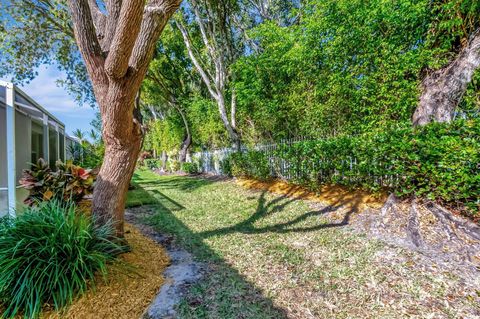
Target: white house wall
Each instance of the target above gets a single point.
(51, 130)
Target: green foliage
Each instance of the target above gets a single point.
(67, 182)
(53, 43)
(251, 163)
(50, 254)
(189, 168)
(163, 135)
(173, 165)
(437, 161)
(85, 153)
(153, 163)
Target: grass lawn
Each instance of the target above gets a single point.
(270, 256)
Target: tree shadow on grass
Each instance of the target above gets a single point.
(222, 292)
(265, 209)
(183, 183)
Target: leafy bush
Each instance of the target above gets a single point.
(69, 182)
(173, 165)
(153, 163)
(252, 164)
(190, 168)
(226, 165)
(50, 254)
(142, 157)
(437, 161)
(87, 155)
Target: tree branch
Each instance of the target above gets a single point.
(198, 66)
(85, 35)
(126, 32)
(155, 17)
(113, 10)
(99, 19)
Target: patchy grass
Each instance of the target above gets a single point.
(272, 256)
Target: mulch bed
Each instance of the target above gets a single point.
(130, 287)
(330, 194)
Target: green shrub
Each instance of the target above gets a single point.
(153, 163)
(173, 165)
(50, 254)
(68, 182)
(226, 165)
(190, 168)
(250, 164)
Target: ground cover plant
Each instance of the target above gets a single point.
(272, 256)
(51, 253)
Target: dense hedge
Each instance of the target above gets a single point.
(437, 161)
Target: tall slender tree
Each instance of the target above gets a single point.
(213, 19)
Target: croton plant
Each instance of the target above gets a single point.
(67, 182)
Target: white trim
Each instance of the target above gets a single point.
(46, 139)
(37, 106)
(11, 169)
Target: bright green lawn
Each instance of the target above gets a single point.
(270, 256)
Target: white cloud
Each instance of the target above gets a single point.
(45, 91)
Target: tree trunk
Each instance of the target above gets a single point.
(122, 135)
(112, 182)
(187, 141)
(117, 48)
(232, 132)
(182, 156)
(443, 89)
(164, 161)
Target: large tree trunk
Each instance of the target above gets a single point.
(122, 135)
(113, 180)
(117, 48)
(443, 89)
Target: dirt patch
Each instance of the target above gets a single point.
(129, 288)
(333, 195)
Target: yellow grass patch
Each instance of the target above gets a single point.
(331, 194)
(127, 292)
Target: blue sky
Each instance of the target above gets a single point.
(56, 100)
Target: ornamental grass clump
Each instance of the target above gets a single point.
(50, 254)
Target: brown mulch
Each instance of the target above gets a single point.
(130, 287)
(331, 194)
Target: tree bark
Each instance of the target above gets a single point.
(443, 89)
(164, 161)
(117, 49)
(187, 141)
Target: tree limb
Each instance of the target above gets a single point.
(155, 17)
(85, 34)
(201, 71)
(126, 32)
(99, 19)
(113, 10)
